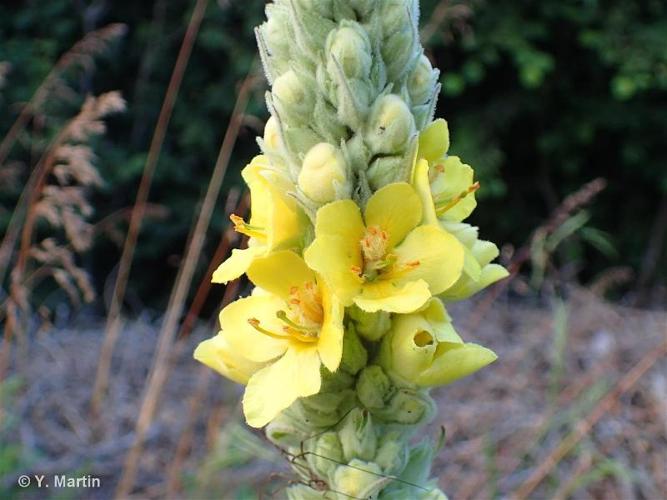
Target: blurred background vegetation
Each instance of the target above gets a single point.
(541, 98)
(561, 107)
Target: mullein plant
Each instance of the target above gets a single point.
(356, 243)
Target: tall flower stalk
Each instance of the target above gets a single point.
(356, 244)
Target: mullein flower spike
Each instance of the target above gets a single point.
(357, 241)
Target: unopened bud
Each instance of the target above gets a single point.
(272, 138)
(421, 81)
(350, 48)
(388, 169)
(327, 454)
(359, 479)
(373, 387)
(391, 126)
(408, 407)
(323, 8)
(323, 177)
(354, 353)
(357, 435)
(371, 326)
(392, 454)
(292, 97)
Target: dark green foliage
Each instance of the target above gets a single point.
(541, 97)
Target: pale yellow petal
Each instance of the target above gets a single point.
(275, 387)
(422, 184)
(279, 272)
(340, 218)
(393, 297)
(245, 339)
(216, 353)
(337, 260)
(456, 178)
(237, 264)
(431, 254)
(330, 344)
(396, 208)
(455, 361)
(434, 141)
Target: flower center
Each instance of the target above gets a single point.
(303, 318)
(241, 226)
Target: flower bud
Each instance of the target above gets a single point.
(371, 326)
(327, 454)
(272, 137)
(354, 354)
(388, 169)
(396, 15)
(407, 407)
(391, 126)
(422, 81)
(357, 435)
(293, 98)
(323, 8)
(349, 47)
(374, 387)
(303, 492)
(327, 408)
(399, 53)
(392, 454)
(323, 177)
(359, 479)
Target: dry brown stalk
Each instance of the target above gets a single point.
(114, 322)
(229, 237)
(80, 54)
(61, 205)
(160, 367)
(585, 426)
(185, 441)
(576, 200)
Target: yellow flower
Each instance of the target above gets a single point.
(288, 329)
(276, 223)
(216, 353)
(384, 260)
(423, 349)
(447, 190)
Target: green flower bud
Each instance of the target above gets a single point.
(359, 479)
(293, 98)
(422, 81)
(272, 136)
(327, 454)
(397, 14)
(388, 169)
(418, 467)
(350, 48)
(374, 388)
(303, 492)
(327, 408)
(354, 9)
(391, 126)
(323, 8)
(399, 52)
(286, 431)
(371, 326)
(357, 435)
(392, 453)
(324, 177)
(354, 353)
(407, 407)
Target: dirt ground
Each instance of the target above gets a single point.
(575, 407)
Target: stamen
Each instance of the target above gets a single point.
(441, 209)
(241, 226)
(254, 322)
(299, 332)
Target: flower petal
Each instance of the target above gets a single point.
(335, 259)
(396, 208)
(237, 264)
(434, 141)
(278, 385)
(340, 218)
(422, 184)
(392, 297)
(279, 272)
(455, 361)
(456, 178)
(438, 255)
(330, 344)
(216, 353)
(245, 339)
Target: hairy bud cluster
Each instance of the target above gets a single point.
(351, 74)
